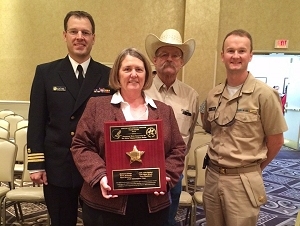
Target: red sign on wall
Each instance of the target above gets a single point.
(281, 44)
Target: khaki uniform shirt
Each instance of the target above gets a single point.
(256, 113)
(185, 103)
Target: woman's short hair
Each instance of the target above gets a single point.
(114, 81)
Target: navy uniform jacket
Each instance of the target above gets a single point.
(56, 104)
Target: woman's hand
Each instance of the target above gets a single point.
(162, 193)
(105, 188)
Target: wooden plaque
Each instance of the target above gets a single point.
(135, 157)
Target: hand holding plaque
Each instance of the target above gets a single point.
(135, 161)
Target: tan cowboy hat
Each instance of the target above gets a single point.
(169, 37)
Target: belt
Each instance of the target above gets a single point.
(234, 171)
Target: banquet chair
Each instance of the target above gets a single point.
(22, 123)
(199, 129)
(13, 119)
(6, 112)
(200, 153)
(199, 139)
(186, 199)
(4, 133)
(30, 194)
(20, 141)
(8, 153)
(298, 219)
(4, 124)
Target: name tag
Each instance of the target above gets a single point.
(248, 110)
(59, 89)
(102, 90)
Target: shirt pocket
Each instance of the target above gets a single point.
(246, 125)
(211, 117)
(184, 123)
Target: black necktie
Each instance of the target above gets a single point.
(80, 75)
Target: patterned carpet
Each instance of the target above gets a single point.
(282, 182)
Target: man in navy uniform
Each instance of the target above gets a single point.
(59, 93)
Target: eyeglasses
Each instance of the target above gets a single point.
(84, 33)
(232, 121)
(165, 56)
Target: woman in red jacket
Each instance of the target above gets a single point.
(130, 75)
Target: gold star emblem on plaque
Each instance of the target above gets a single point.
(135, 155)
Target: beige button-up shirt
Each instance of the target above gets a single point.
(184, 101)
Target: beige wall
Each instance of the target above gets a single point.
(31, 33)
(266, 20)
(202, 24)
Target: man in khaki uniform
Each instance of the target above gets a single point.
(245, 119)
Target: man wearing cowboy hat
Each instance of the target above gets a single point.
(169, 54)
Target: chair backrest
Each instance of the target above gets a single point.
(20, 140)
(184, 181)
(199, 139)
(199, 128)
(298, 219)
(4, 124)
(13, 119)
(22, 123)
(25, 174)
(8, 153)
(6, 112)
(200, 153)
(4, 133)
